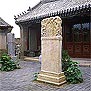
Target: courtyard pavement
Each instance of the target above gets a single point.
(23, 80)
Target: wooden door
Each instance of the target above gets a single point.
(86, 39)
(78, 40)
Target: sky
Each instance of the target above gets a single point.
(9, 8)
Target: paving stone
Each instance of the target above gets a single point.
(22, 80)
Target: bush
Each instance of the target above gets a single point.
(6, 63)
(71, 69)
(35, 76)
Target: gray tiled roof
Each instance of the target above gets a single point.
(50, 6)
(3, 23)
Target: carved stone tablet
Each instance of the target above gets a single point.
(51, 48)
(51, 27)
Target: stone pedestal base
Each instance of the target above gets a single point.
(53, 78)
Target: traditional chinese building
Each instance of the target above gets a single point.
(4, 29)
(76, 26)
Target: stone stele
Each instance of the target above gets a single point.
(51, 43)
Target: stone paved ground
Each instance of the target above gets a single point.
(22, 80)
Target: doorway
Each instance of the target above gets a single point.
(77, 37)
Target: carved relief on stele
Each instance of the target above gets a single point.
(51, 27)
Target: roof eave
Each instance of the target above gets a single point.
(55, 13)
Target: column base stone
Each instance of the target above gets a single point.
(52, 78)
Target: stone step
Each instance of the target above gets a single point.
(83, 62)
(31, 59)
